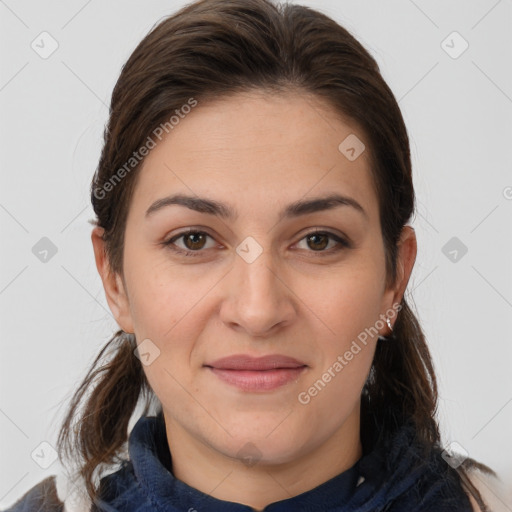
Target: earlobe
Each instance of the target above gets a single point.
(115, 293)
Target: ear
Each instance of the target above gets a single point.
(112, 283)
(407, 249)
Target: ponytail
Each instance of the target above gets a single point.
(111, 390)
(402, 382)
(402, 387)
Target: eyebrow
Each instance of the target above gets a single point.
(225, 211)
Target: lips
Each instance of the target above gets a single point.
(246, 362)
(257, 374)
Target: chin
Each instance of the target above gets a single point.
(262, 445)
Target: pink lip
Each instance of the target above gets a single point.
(257, 374)
(246, 362)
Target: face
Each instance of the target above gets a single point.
(256, 277)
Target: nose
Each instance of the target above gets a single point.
(257, 300)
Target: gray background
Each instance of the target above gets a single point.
(53, 315)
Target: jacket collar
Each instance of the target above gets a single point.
(388, 473)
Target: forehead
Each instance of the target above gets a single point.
(257, 150)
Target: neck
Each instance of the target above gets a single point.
(206, 469)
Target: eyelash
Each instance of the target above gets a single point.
(169, 243)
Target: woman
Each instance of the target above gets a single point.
(252, 201)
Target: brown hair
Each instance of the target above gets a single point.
(208, 50)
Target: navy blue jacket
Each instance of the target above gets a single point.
(392, 477)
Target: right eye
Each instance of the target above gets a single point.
(194, 241)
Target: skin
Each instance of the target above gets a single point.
(258, 154)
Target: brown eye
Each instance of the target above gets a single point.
(194, 241)
(318, 241)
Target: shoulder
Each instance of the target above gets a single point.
(491, 489)
(40, 498)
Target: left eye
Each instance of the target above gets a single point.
(320, 239)
(194, 241)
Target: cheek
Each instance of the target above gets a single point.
(163, 293)
(332, 395)
(349, 308)
(169, 306)
(348, 302)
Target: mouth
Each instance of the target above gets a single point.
(253, 374)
